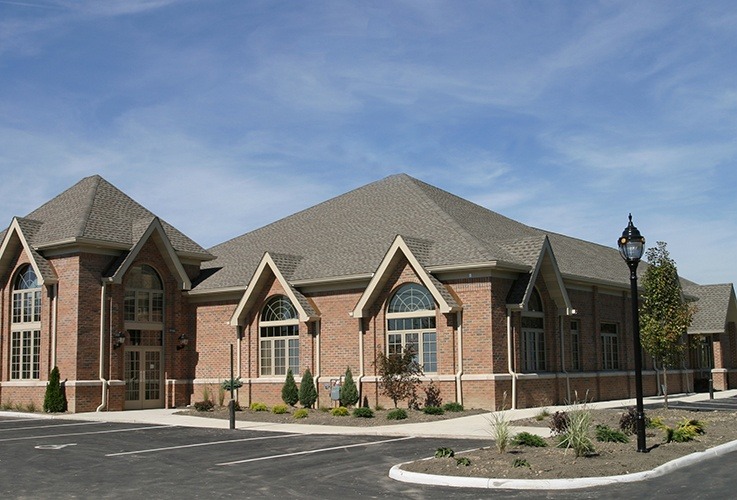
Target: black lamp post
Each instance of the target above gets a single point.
(631, 247)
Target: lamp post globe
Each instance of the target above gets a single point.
(631, 247)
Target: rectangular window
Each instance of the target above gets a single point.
(429, 352)
(575, 345)
(533, 350)
(278, 354)
(609, 346)
(25, 355)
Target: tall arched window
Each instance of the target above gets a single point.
(533, 335)
(411, 323)
(25, 334)
(144, 295)
(279, 337)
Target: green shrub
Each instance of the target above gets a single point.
(559, 423)
(527, 439)
(279, 409)
(396, 414)
(363, 412)
(301, 413)
(348, 391)
(19, 407)
(453, 407)
(255, 406)
(433, 410)
(606, 434)
(206, 393)
(520, 462)
(444, 453)
(54, 400)
(307, 391)
(235, 383)
(464, 461)
(31, 407)
(205, 405)
(685, 430)
(289, 391)
(7, 405)
(324, 409)
(432, 396)
(576, 434)
(340, 411)
(655, 423)
(221, 395)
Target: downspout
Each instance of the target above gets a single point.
(238, 342)
(317, 357)
(459, 373)
(509, 360)
(54, 307)
(563, 359)
(103, 380)
(362, 372)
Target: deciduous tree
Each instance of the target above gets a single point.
(664, 314)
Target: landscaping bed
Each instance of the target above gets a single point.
(324, 417)
(608, 459)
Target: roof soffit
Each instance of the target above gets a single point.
(154, 231)
(399, 248)
(266, 269)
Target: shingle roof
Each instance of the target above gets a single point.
(712, 307)
(349, 235)
(93, 209)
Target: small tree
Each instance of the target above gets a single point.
(400, 374)
(349, 391)
(664, 314)
(289, 392)
(54, 400)
(307, 391)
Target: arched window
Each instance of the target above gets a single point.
(533, 334)
(25, 335)
(144, 295)
(411, 323)
(279, 337)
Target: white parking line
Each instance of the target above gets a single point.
(132, 429)
(13, 420)
(48, 426)
(308, 452)
(195, 445)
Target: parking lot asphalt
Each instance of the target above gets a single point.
(130, 454)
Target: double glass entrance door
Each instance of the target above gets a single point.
(143, 378)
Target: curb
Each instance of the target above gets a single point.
(398, 474)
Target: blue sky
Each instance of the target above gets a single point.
(223, 116)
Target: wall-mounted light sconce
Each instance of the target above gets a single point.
(118, 339)
(183, 341)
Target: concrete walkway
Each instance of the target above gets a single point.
(470, 427)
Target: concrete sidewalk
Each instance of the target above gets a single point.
(474, 426)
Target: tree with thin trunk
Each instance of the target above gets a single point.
(664, 313)
(400, 374)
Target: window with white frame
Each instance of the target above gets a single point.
(25, 334)
(533, 335)
(411, 323)
(609, 346)
(144, 296)
(575, 345)
(279, 337)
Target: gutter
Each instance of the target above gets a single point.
(102, 378)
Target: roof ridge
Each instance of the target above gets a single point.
(90, 204)
(483, 250)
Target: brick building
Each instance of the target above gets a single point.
(135, 314)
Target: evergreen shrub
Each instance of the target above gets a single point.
(289, 391)
(307, 391)
(54, 400)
